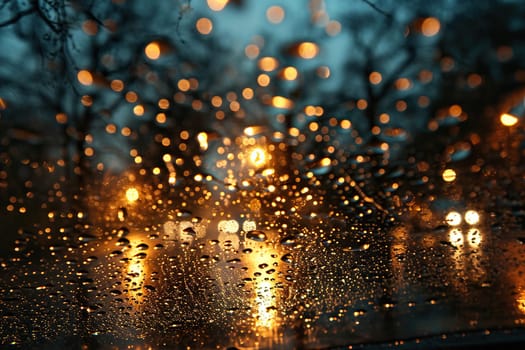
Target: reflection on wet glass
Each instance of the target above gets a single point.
(258, 174)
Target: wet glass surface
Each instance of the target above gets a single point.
(262, 174)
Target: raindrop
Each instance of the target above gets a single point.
(122, 232)
(289, 241)
(149, 287)
(460, 151)
(122, 214)
(86, 237)
(287, 258)
(322, 167)
(189, 231)
(357, 248)
(122, 242)
(184, 214)
(55, 248)
(142, 246)
(140, 255)
(395, 135)
(256, 235)
(115, 253)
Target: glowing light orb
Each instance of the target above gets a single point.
(152, 50)
(449, 175)
(453, 218)
(471, 217)
(455, 237)
(258, 157)
(508, 119)
(132, 194)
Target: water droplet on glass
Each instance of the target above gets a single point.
(86, 237)
(189, 231)
(256, 235)
(122, 242)
(287, 258)
(394, 135)
(142, 246)
(357, 248)
(289, 240)
(122, 214)
(115, 253)
(460, 151)
(122, 232)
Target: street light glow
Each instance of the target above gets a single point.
(508, 119)
(132, 195)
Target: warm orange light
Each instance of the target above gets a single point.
(472, 217)
(117, 85)
(403, 84)
(258, 157)
(263, 80)
(455, 110)
(290, 73)
(152, 50)
(183, 84)
(138, 110)
(508, 119)
(346, 124)
(89, 152)
(252, 51)
(275, 14)
(375, 78)
(323, 72)
(204, 25)
(449, 175)
(247, 93)
(307, 50)
(132, 194)
(217, 5)
(362, 104)
(333, 28)
(384, 118)
(325, 162)
(268, 64)
(61, 118)
(90, 27)
(430, 26)
(453, 218)
(282, 102)
(84, 77)
(202, 137)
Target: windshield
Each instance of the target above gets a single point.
(261, 174)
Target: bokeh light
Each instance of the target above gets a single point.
(453, 218)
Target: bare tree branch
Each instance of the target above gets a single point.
(17, 17)
(377, 8)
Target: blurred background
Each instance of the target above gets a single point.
(261, 174)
